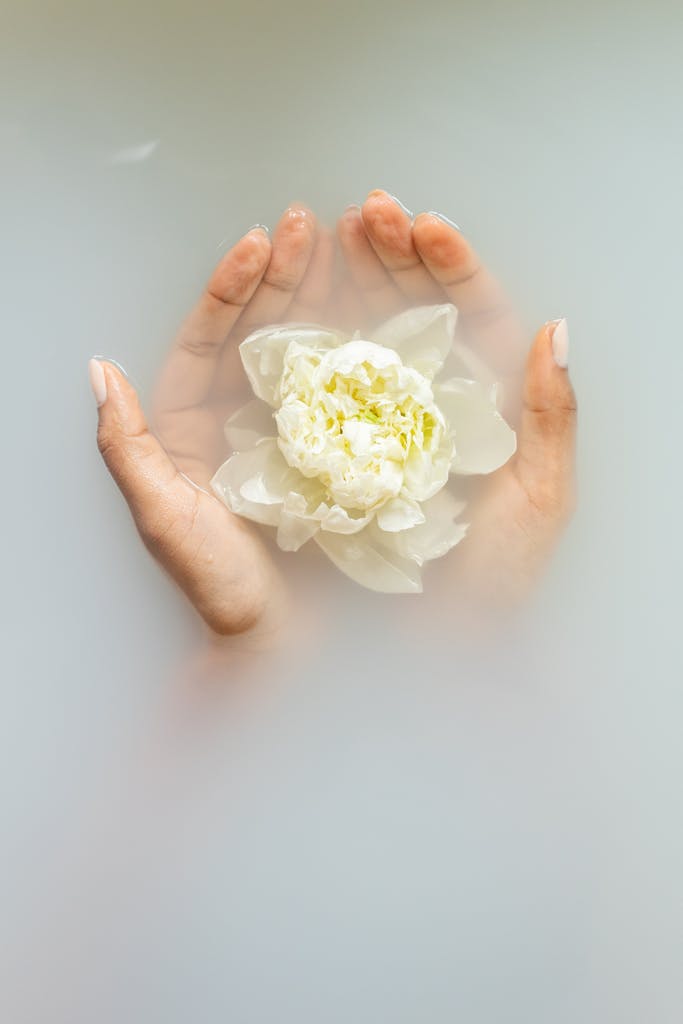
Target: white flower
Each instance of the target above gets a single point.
(351, 441)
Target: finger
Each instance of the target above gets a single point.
(389, 228)
(293, 243)
(486, 313)
(371, 278)
(294, 239)
(192, 363)
(314, 291)
(454, 264)
(545, 456)
(142, 470)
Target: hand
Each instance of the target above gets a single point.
(391, 262)
(396, 261)
(218, 559)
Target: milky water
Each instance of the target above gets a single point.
(389, 824)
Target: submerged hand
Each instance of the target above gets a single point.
(392, 261)
(396, 261)
(218, 559)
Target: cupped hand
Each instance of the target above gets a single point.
(394, 261)
(217, 558)
(391, 261)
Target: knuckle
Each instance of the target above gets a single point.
(555, 501)
(200, 346)
(284, 278)
(109, 445)
(555, 421)
(166, 524)
(153, 527)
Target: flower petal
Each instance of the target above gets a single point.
(254, 483)
(399, 514)
(437, 534)
(299, 518)
(423, 474)
(249, 425)
(422, 336)
(366, 560)
(293, 531)
(263, 352)
(483, 440)
(336, 519)
(356, 352)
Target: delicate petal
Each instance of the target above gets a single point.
(354, 353)
(340, 520)
(422, 336)
(360, 435)
(263, 353)
(293, 531)
(439, 532)
(367, 561)
(399, 514)
(424, 475)
(300, 519)
(249, 425)
(483, 440)
(254, 483)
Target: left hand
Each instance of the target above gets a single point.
(397, 261)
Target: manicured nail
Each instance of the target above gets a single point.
(402, 205)
(108, 359)
(260, 227)
(446, 220)
(560, 343)
(98, 381)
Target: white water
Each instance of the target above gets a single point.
(391, 832)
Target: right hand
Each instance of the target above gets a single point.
(218, 559)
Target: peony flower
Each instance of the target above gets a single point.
(351, 441)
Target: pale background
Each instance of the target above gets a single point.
(455, 834)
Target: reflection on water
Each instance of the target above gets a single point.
(391, 819)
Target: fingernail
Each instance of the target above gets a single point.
(402, 205)
(352, 206)
(445, 219)
(560, 343)
(108, 359)
(98, 381)
(260, 227)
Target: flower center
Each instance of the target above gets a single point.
(355, 418)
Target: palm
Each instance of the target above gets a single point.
(516, 514)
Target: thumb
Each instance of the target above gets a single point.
(139, 465)
(547, 435)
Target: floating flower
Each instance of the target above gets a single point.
(351, 441)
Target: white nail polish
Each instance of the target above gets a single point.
(98, 381)
(445, 219)
(560, 343)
